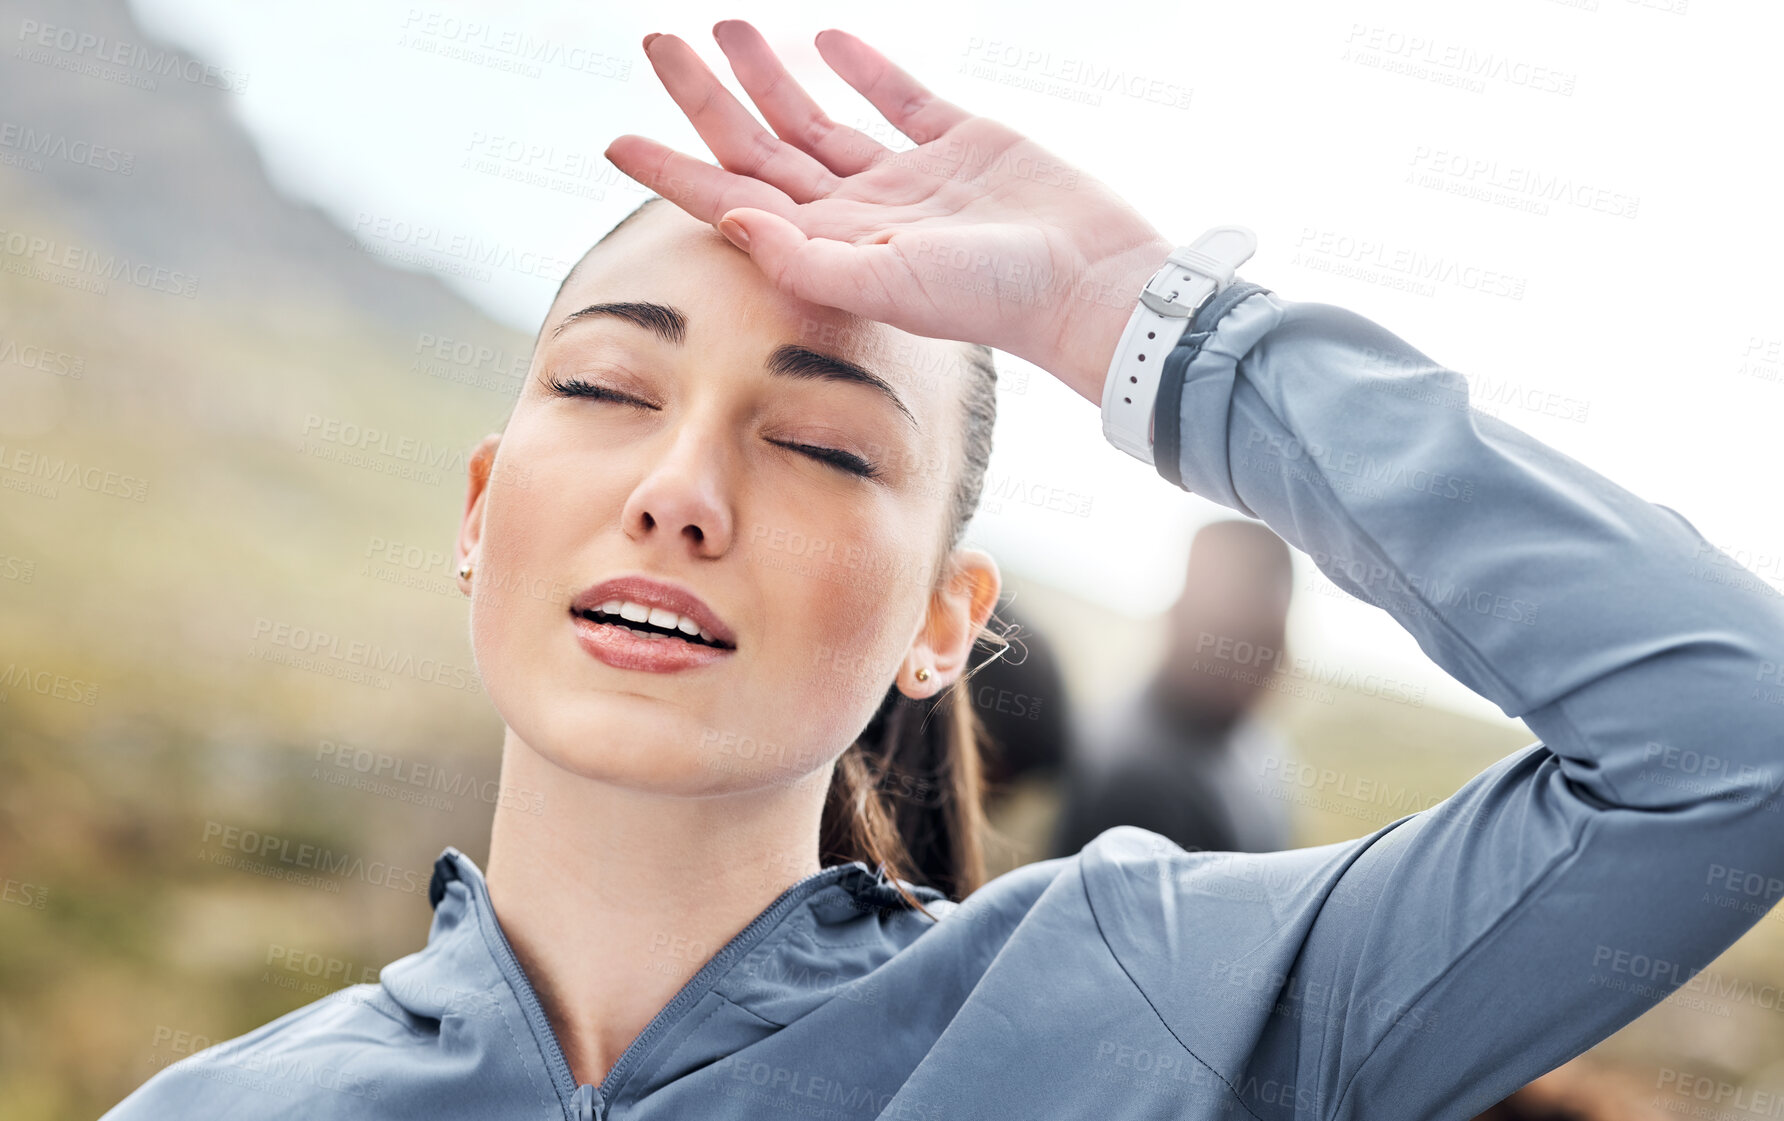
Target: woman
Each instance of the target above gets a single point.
(773, 452)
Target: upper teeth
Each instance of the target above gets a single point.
(656, 616)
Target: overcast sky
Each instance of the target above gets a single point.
(1611, 162)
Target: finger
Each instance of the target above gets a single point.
(699, 188)
(900, 98)
(855, 278)
(735, 137)
(787, 108)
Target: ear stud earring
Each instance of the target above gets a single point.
(923, 673)
(464, 571)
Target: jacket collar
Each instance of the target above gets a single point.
(468, 976)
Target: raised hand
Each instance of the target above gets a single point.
(976, 234)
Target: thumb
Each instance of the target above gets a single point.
(809, 268)
(740, 223)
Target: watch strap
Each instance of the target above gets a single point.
(1188, 278)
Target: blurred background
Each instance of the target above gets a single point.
(267, 272)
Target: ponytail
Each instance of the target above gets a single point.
(908, 795)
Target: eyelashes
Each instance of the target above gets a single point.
(853, 464)
(576, 387)
(843, 461)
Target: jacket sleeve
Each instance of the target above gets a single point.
(1576, 883)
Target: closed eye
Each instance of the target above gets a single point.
(853, 464)
(576, 387)
(845, 461)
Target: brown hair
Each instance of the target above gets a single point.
(906, 798)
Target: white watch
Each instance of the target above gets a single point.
(1190, 276)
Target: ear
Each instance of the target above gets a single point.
(470, 527)
(957, 614)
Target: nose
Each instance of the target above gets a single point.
(683, 495)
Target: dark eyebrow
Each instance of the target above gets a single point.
(793, 361)
(667, 323)
(788, 360)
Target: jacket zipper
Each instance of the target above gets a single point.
(589, 1101)
(587, 1107)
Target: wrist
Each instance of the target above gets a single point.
(1098, 314)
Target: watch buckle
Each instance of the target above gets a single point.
(1217, 254)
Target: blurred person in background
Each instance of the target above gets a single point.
(1184, 755)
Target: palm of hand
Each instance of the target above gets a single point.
(976, 234)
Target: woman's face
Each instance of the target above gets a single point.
(728, 468)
